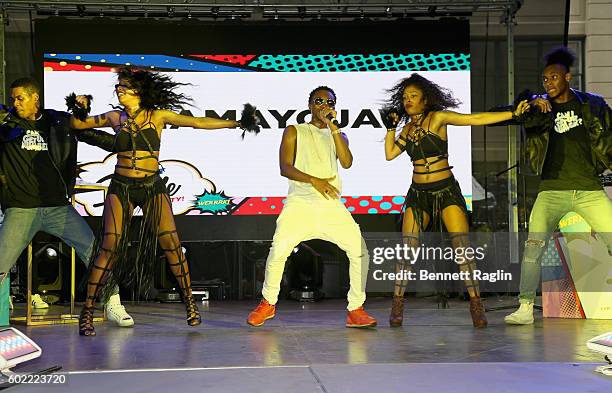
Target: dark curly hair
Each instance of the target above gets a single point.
(29, 84)
(438, 98)
(326, 88)
(156, 91)
(562, 55)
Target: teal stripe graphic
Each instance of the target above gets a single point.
(353, 63)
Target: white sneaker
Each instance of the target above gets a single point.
(116, 312)
(522, 316)
(38, 303)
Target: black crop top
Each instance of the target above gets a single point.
(430, 145)
(425, 145)
(125, 140)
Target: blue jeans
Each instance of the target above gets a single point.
(20, 226)
(550, 206)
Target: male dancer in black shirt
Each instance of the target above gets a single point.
(569, 147)
(37, 176)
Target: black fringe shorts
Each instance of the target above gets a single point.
(135, 256)
(432, 198)
(137, 190)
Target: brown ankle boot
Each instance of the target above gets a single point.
(479, 320)
(397, 311)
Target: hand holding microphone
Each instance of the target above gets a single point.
(330, 116)
(333, 120)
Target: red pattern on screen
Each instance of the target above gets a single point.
(232, 59)
(63, 66)
(274, 205)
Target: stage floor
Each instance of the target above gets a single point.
(306, 348)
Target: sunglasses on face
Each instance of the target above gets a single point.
(321, 101)
(124, 87)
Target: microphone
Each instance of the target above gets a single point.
(333, 120)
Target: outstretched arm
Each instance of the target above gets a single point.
(102, 120)
(207, 123)
(101, 139)
(478, 119)
(79, 107)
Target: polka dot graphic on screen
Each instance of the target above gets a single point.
(355, 204)
(106, 61)
(355, 63)
(234, 59)
(260, 205)
(398, 200)
(374, 204)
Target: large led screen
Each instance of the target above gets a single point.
(216, 172)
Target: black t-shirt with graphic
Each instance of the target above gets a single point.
(32, 178)
(568, 164)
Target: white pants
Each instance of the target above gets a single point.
(328, 220)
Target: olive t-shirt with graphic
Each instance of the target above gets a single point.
(568, 164)
(32, 178)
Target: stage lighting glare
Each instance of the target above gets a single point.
(47, 251)
(51, 252)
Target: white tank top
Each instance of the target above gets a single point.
(315, 155)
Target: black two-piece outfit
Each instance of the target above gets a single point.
(129, 269)
(431, 198)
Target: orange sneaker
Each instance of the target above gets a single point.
(262, 312)
(358, 318)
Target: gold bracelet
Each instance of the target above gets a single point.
(391, 129)
(336, 132)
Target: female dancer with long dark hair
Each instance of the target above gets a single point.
(434, 200)
(148, 102)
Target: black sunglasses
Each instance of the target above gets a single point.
(321, 101)
(126, 87)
